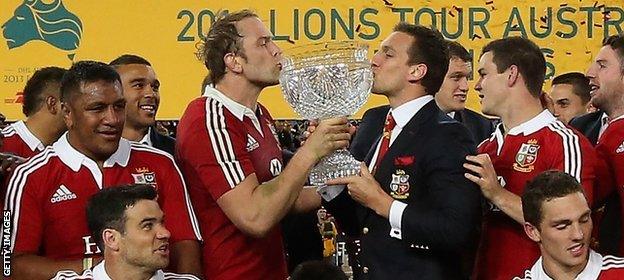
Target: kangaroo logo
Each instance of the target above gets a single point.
(48, 22)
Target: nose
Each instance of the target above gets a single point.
(275, 50)
(113, 116)
(477, 86)
(463, 84)
(591, 72)
(577, 232)
(375, 60)
(163, 232)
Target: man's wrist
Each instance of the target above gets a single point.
(383, 205)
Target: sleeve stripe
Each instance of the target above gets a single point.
(16, 186)
(72, 275)
(222, 144)
(571, 149)
(189, 206)
(8, 131)
(175, 276)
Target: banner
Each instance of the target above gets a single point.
(39, 33)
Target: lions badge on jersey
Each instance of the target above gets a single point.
(144, 176)
(399, 187)
(526, 156)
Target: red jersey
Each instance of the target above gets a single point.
(540, 144)
(610, 148)
(598, 268)
(18, 140)
(47, 197)
(219, 143)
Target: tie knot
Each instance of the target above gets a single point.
(390, 123)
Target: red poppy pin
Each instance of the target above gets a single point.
(404, 161)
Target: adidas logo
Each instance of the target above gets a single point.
(62, 194)
(252, 144)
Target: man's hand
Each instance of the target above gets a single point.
(8, 162)
(314, 123)
(486, 175)
(365, 190)
(330, 135)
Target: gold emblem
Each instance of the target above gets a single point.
(399, 187)
(526, 156)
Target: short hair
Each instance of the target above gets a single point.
(429, 48)
(106, 209)
(523, 53)
(616, 42)
(544, 187)
(84, 72)
(456, 50)
(37, 85)
(222, 38)
(579, 83)
(317, 270)
(129, 59)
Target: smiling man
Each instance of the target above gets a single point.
(570, 95)
(141, 89)
(47, 195)
(129, 225)
(557, 217)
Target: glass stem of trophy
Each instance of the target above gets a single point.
(326, 80)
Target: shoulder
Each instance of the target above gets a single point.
(612, 263)
(527, 276)
(8, 131)
(376, 111)
(176, 276)
(146, 151)
(72, 275)
(583, 120)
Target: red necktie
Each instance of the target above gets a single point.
(385, 139)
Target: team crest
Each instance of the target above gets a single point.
(399, 187)
(526, 156)
(144, 176)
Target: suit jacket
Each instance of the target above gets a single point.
(588, 124)
(480, 127)
(162, 142)
(422, 168)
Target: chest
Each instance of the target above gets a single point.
(263, 149)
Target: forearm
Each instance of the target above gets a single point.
(308, 200)
(33, 267)
(186, 257)
(507, 202)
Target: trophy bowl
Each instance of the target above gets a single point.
(325, 80)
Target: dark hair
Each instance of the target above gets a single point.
(523, 53)
(106, 209)
(580, 84)
(129, 59)
(429, 48)
(317, 270)
(222, 38)
(616, 42)
(545, 187)
(40, 82)
(456, 50)
(86, 71)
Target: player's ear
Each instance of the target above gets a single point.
(532, 232)
(111, 239)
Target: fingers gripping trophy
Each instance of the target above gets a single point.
(325, 80)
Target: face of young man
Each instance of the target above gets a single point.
(567, 105)
(606, 79)
(145, 242)
(390, 64)
(141, 91)
(261, 64)
(564, 232)
(454, 89)
(491, 86)
(95, 119)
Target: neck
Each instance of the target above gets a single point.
(401, 98)
(615, 112)
(239, 90)
(556, 271)
(118, 269)
(520, 111)
(75, 143)
(42, 130)
(134, 133)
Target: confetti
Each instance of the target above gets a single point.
(357, 28)
(489, 2)
(290, 40)
(475, 36)
(563, 4)
(387, 3)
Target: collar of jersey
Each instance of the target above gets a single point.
(591, 270)
(31, 140)
(99, 273)
(406, 111)
(74, 159)
(237, 109)
(538, 122)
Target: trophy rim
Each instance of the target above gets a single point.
(319, 47)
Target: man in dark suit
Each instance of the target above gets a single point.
(141, 89)
(417, 211)
(590, 124)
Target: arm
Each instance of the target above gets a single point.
(186, 257)
(32, 267)
(308, 200)
(266, 204)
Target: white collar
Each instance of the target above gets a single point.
(74, 159)
(31, 140)
(538, 122)
(146, 139)
(591, 270)
(404, 113)
(239, 110)
(451, 114)
(99, 273)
